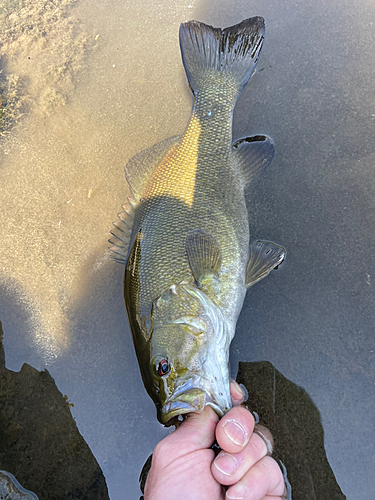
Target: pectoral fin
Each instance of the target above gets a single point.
(204, 256)
(264, 256)
(253, 155)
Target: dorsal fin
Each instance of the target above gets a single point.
(138, 173)
(122, 231)
(253, 154)
(139, 169)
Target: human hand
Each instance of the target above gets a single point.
(184, 466)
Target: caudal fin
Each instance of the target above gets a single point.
(234, 50)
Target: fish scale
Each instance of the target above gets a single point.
(176, 174)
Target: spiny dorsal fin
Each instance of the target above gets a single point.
(138, 173)
(253, 155)
(122, 231)
(139, 169)
(264, 257)
(204, 255)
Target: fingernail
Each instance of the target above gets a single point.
(245, 393)
(236, 492)
(235, 432)
(238, 390)
(226, 464)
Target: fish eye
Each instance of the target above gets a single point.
(162, 367)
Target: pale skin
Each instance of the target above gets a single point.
(184, 466)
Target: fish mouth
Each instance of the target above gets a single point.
(186, 402)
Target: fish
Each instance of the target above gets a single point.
(183, 234)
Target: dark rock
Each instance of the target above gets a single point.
(39, 440)
(294, 420)
(2, 353)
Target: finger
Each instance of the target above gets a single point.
(198, 429)
(263, 479)
(196, 432)
(236, 393)
(266, 435)
(234, 430)
(230, 468)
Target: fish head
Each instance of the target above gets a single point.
(189, 359)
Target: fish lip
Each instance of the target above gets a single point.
(178, 403)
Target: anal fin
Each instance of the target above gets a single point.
(264, 257)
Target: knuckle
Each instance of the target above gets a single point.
(160, 454)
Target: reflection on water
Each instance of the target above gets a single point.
(61, 184)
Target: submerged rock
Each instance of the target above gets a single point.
(39, 440)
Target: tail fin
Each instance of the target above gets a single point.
(233, 50)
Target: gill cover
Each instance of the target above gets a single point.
(196, 345)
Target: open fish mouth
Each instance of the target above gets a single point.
(186, 402)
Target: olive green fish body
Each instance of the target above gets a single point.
(164, 222)
(184, 237)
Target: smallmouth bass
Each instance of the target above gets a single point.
(184, 234)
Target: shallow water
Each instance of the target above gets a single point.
(62, 183)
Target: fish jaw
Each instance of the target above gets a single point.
(188, 399)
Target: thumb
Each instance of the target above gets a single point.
(196, 432)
